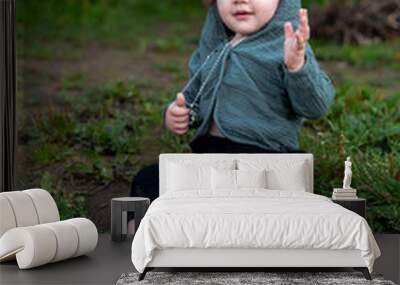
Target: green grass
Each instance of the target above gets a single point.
(122, 23)
(97, 135)
(378, 54)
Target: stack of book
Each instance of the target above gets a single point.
(343, 194)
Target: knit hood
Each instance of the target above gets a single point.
(214, 32)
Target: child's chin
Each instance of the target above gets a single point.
(246, 32)
(246, 29)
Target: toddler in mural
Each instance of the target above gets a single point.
(253, 80)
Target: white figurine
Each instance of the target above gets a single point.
(347, 174)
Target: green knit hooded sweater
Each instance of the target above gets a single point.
(253, 98)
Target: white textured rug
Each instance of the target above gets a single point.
(232, 278)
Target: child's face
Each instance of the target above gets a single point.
(246, 16)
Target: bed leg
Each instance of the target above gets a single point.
(143, 274)
(364, 271)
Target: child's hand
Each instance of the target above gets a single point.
(295, 42)
(177, 116)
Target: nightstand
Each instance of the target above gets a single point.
(357, 205)
(120, 209)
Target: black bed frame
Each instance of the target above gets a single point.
(364, 270)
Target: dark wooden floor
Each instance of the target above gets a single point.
(110, 260)
(102, 266)
(389, 262)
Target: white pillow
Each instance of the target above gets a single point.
(188, 175)
(251, 178)
(223, 179)
(289, 175)
(182, 177)
(228, 179)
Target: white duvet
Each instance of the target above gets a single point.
(252, 218)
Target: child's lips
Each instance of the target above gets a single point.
(242, 15)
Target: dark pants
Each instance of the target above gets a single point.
(146, 182)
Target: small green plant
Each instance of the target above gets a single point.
(70, 204)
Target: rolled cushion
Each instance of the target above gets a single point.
(40, 244)
(26, 208)
(87, 234)
(67, 240)
(23, 208)
(45, 205)
(33, 246)
(7, 218)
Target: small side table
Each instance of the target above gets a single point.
(119, 214)
(357, 205)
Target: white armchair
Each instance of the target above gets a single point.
(31, 231)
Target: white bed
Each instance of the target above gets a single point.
(250, 226)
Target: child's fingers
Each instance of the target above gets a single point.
(304, 26)
(181, 132)
(180, 120)
(300, 41)
(180, 99)
(179, 111)
(181, 126)
(288, 30)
